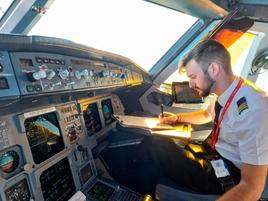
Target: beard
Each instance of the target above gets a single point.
(210, 83)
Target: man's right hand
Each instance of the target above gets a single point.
(169, 118)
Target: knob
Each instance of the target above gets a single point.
(70, 68)
(85, 73)
(101, 74)
(122, 76)
(27, 167)
(111, 73)
(71, 71)
(50, 74)
(91, 73)
(1, 68)
(42, 74)
(35, 76)
(63, 73)
(77, 75)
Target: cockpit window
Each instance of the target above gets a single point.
(4, 6)
(239, 44)
(139, 30)
(239, 50)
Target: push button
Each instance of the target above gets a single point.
(30, 88)
(38, 87)
(39, 60)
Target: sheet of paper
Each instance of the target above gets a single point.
(173, 133)
(178, 131)
(142, 122)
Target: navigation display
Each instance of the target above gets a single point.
(57, 182)
(92, 119)
(107, 110)
(44, 136)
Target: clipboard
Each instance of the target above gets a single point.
(153, 124)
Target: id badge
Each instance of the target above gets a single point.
(219, 168)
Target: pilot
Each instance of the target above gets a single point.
(236, 164)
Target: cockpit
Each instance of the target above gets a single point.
(82, 84)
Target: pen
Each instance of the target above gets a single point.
(162, 110)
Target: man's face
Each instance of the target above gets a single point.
(198, 80)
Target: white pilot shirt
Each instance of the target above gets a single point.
(243, 136)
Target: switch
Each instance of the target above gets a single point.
(1, 68)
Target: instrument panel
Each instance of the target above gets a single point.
(52, 145)
(58, 106)
(39, 73)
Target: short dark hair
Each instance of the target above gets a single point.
(209, 51)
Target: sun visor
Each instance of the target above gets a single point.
(232, 31)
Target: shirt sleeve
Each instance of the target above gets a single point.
(253, 140)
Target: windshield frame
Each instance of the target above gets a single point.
(143, 55)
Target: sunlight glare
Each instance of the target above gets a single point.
(136, 29)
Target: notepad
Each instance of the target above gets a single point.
(142, 122)
(153, 124)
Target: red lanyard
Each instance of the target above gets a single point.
(215, 131)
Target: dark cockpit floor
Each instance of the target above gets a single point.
(132, 167)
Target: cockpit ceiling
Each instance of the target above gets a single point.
(216, 9)
(198, 8)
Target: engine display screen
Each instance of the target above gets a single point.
(92, 118)
(18, 192)
(100, 192)
(85, 174)
(107, 110)
(44, 136)
(57, 182)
